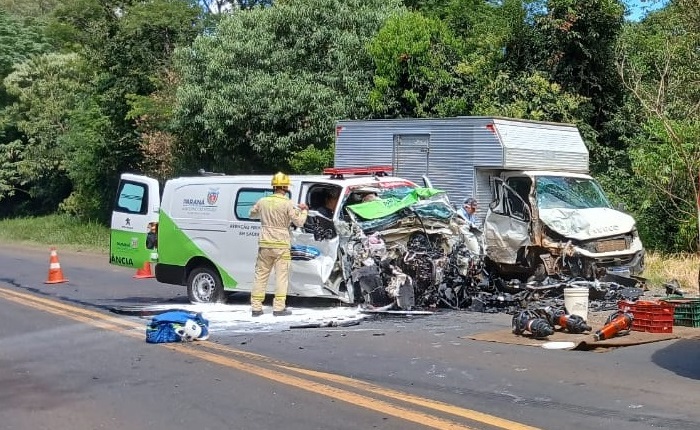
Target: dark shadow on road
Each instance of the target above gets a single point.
(140, 300)
(681, 357)
(243, 298)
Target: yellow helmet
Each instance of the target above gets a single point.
(281, 180)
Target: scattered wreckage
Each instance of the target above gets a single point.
(413, 252)
(416, 253)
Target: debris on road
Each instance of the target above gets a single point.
(327, 324)
(177, 326)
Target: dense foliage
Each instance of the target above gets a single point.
(92, 88)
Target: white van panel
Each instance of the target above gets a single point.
(196, 202)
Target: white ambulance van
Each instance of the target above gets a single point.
(200, 234)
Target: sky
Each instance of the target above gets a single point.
(639, 8)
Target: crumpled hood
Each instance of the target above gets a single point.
(583, 224)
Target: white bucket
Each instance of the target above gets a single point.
(576, 301)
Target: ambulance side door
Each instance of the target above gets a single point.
(313, 256)
(244, 233)
(137, 204)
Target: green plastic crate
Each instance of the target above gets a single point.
(686, 312)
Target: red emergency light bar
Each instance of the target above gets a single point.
(339, 172)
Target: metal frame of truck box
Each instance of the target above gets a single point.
(460, 154)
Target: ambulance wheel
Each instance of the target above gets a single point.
(204, 286)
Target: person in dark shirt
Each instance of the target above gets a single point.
(330, 202)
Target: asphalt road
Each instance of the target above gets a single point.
(67, 362)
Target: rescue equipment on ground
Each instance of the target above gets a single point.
(530, 321)
(55, 273)
(618, 323)
(177, 326)
(190, 331)
(572, 323)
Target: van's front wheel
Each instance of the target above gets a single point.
(204, 286)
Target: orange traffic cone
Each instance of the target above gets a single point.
(55, 272)
(144, 272)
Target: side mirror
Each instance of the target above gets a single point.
(621, 207)
(427, 182)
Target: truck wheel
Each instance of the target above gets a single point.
(204, 286)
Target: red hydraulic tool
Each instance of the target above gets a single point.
(617, 323)
(572, 323)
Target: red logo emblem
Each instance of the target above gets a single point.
(212, 196)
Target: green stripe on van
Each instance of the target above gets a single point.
(176, 248)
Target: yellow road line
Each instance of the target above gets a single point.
(118, 324)
(72, 309)
(62, 312)
(380, 406)
(409, 398)
(397, 395)
(273, 375)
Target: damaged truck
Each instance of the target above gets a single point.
(545, 215)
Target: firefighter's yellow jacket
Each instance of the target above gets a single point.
(276, 213)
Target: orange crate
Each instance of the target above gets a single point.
(651, 317)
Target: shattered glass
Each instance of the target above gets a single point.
(565, 192)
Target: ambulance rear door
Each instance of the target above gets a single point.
(136, 206)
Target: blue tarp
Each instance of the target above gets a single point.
(163, 327)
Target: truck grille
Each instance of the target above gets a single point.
(611, 245)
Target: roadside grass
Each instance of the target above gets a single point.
(662, 268)
(62, 231)
(67, 232)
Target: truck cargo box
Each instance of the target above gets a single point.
(460, 154)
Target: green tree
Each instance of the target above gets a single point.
(529, 97)
(89, 161)
(311, 160)
(46, 90)
(18, 42)
(416, 62)
(158, 27)
(659, 63)
(123, 123)
(572, 43)
(271, 81)
(36, 10)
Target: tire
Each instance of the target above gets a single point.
(204, 286)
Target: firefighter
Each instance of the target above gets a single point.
(276, 213)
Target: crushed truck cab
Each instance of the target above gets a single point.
(544, 222)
